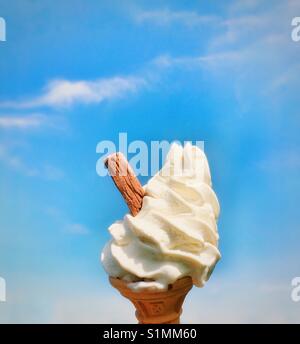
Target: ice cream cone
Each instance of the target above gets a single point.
(156, 307)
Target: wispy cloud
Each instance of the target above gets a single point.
(209, 60)
(250, 29)
(245, 5)
(63, 221)
(76, 228)
(240, 30)
(167, 16)
(26, 121)
(51, 172)
(15, 162)
(286, 78)
(169, 61)
(66, 93)
(256, 50)
(281, 160)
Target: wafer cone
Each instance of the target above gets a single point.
(156, 307)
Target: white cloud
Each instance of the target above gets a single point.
(63, 221)
(287, 78)
(167, 16)
(253, 48)
(281, 160)
(51, 172)
(204, 61)
(76, 228)
(245, 5)
(23, 121)
(65, 93)
(16, 163)
(240, 29)
(252, 29)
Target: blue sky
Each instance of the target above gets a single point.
(76, 73)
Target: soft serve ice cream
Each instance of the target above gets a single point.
(175, 233)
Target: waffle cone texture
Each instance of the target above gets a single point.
(156, 307)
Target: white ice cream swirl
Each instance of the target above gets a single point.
(175, 233)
